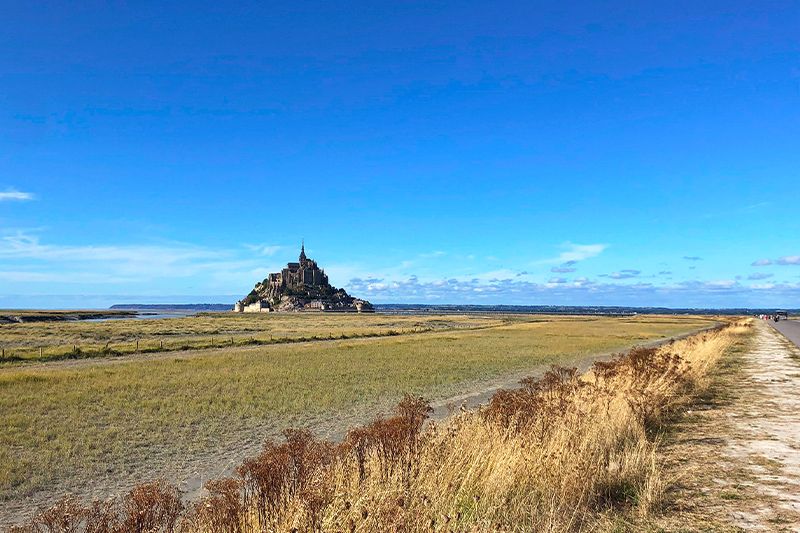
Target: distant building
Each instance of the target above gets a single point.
(303, 273)
(259, 306)
(301, 286)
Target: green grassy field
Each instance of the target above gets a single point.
(69, 421)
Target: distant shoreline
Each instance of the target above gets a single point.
(171, 307)
(491, 309)
(19, 316)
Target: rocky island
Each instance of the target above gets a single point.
(301, 286)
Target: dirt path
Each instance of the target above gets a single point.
(737, 458)
(769, 428)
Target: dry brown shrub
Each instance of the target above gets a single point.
(287, 475)
(103, 516)
(393, 440)
(66, 516)
(221, 511)
(151, 507)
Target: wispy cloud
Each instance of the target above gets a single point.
(761, 262)
(622, 274)
(27, 260)
(263, 249)
(12, 195)
(435, 253)
(759, 276)
(692, 258)
(557, 280)
(575, 252)
(565, 268)
(625, 274)
(757, 206)
(789, 260)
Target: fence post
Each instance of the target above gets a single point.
(212, 341)
(161, 347)
(41, 351)
(137, 345)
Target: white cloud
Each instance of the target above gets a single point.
(263, 249)
(579, 252)
(789, 260)
(759, 276)
(574, 253)
(26, 260)
(763, 286)
(623, 274)
(620, 275)
(761, 262)
(582, 291)
(721, 284)
(28, 247)
(435, 253)
(16, 195)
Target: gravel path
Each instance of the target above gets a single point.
(767, 433)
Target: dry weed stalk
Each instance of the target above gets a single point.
(557, 454)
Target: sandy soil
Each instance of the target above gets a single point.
(736, 460)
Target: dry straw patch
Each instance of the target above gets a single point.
(562, 453)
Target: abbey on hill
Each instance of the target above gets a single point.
(301, 286)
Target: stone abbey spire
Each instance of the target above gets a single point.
(302, 250)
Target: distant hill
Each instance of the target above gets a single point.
(176, 307)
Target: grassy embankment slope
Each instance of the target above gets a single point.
(69, 421)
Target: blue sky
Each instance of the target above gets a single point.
(616, 153)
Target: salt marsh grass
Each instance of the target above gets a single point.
(61, 340)
(562, 453)
(65, 423)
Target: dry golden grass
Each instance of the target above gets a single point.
(60, 340)
(70, 421)
(563, 453)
